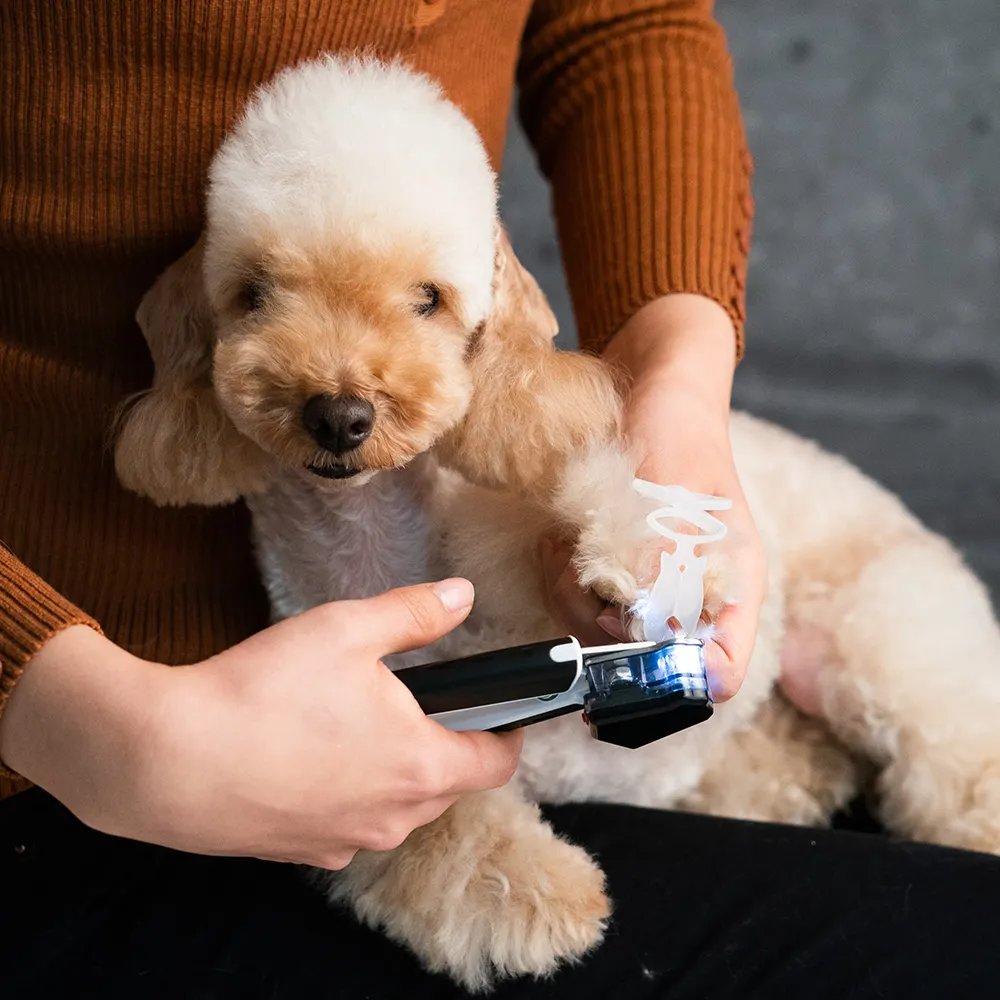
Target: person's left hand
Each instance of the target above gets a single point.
(679, 354)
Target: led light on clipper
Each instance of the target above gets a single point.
(676, 665)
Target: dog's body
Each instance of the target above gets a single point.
(854, 579)
(493, 439)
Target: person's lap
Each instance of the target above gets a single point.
(703, 908)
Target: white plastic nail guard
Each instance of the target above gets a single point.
(679, 589)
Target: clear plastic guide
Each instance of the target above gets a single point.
(679, 590)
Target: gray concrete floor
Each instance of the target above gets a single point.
(874, 284)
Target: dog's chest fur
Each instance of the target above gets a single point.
(319, 542)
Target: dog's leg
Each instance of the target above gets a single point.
(783, 769)
(487, 890)
(916, 686)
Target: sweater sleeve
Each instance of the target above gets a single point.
(30, 613)
(632, 111)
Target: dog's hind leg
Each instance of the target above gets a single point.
(784, 768)
(487, 890)
(916, 687)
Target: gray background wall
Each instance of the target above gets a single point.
(874, 284)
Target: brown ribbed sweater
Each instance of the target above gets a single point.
(110, 114)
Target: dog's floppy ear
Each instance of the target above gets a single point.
(532, 405)
(175, 445)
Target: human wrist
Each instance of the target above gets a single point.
(679, 354)
(683, 345)
(79, 723)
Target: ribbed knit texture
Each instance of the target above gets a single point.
(111, 111)
(632, 110)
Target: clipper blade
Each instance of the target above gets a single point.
(640, 696)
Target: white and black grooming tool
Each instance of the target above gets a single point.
(631, 694)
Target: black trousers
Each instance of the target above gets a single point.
(704, 908)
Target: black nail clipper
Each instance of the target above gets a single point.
(631, 694)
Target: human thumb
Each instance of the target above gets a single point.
(410, 617)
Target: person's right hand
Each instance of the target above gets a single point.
(298, 744)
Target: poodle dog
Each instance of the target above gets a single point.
(353, 347)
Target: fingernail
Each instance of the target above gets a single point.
(455, 595)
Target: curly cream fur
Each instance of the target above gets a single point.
(487, 890)
(175, 444)
(486, 438)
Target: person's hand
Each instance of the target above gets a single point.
(298, 744)
(679, 354)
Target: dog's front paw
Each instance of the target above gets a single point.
(486, 891)
(617, 553)
(598, 509)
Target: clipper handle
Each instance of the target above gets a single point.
(529, 671)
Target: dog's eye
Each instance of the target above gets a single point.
(254, 295)
(431, 300)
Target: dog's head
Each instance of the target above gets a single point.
(329, 320)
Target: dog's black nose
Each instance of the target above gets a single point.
(338, 423)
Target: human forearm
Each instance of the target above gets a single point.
(80, 721)
(631, 107)
(31, 612)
